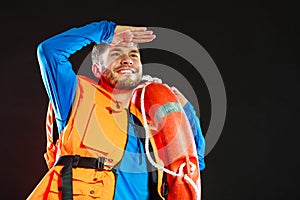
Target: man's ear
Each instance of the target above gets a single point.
(96, 70)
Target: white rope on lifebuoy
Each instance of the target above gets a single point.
(147, 136)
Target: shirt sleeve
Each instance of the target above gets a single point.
(197, 132)
(57, 73)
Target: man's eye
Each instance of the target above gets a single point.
(115, 54)
(134, 56)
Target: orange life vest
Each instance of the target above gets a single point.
(97, 127)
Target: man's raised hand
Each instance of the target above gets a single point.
(130, 35)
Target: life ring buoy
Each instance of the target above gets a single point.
(173, 138)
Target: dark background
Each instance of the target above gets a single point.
(255, 45)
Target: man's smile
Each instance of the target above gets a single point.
(125, 70)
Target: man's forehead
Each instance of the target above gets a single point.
(123, 49)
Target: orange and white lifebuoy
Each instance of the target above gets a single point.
(173, 138)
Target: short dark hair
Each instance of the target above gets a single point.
(97, 50)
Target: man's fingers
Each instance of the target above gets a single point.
(143, 36)
(137, 33)
(142, 40)
(121, 28)
(133, 35)
(136, 29)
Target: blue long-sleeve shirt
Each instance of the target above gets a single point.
(61, 81)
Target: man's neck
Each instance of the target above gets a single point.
(124, 97)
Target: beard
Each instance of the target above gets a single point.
(125, 82)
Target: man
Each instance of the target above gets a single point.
(100, 152)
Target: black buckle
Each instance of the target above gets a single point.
(100, 163)
(75, 161)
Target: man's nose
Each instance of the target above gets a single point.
(126, 60)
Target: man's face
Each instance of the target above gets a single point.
(121, 67)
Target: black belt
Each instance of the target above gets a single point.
(70, 162)
(83, 162)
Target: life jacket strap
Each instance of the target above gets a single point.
(70, 162)
(83, 162)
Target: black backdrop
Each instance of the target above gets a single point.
(255, 46)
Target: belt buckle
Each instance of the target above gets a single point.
(75, 161)
(100, 163)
